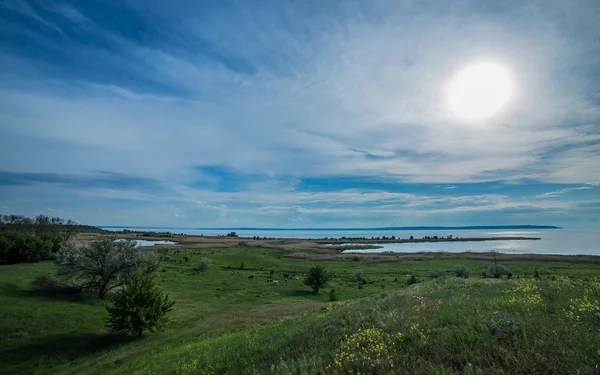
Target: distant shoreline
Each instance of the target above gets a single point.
(421, 240)
(472, 227)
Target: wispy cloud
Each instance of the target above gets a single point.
(557, 193)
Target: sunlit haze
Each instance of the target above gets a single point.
(480, 91)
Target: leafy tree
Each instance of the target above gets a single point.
(140, 306)
(18, 247)
(317, 278)
(105, 264)
(358, 274)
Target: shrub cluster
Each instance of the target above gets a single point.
(24, 239)
(17, 247)
(462, 271)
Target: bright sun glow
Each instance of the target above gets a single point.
(479, 91)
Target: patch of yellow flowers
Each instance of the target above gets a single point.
(526, 295)
(372, 350)
(363, 352)
(583, 308)
(422, 303)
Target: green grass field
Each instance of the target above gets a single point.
(225, 323)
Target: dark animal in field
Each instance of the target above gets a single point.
(251, 277)
(360, 287)
(286, 275)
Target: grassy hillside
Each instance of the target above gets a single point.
(225, 323)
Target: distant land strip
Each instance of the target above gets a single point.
(488, 227)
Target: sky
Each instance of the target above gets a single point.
(297, 113)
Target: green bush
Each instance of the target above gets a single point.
(332, 295)
(412, 280)
(17, 247)
(462, 271)
(498, 270)
(437, 274)
(358, 274)
(140, 306)
(317, 278)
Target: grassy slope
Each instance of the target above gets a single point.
(225, 323)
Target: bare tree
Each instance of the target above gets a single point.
(105, 264)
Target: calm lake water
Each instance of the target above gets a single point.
(553, 241)
(145, 243)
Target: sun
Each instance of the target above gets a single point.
(479, 91)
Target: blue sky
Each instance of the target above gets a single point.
(297, 113)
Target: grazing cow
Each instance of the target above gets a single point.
(286, 275)
(269, 280)
(274, 282)
(297, 278)
(360, 287)
(251, 277)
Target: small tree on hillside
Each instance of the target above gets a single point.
(317, 278)
(104, 265)
(140, 306)
(203, 265)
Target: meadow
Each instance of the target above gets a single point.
(227, 323)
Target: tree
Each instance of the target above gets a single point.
(317, 278)
(105, 264)
(140, 306)
(204, 264)
(18, 247)
(358, 274)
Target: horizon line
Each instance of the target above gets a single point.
(420, 227)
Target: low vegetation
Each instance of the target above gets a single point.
(16, 247)
(233, 321)
(462, 271)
